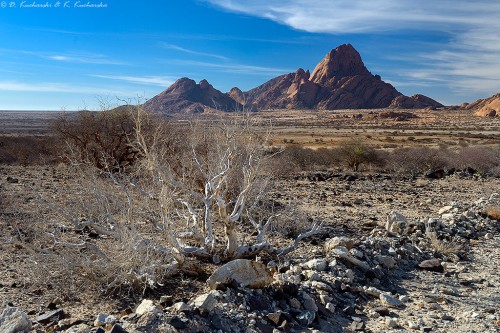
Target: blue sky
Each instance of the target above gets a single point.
(81, 54)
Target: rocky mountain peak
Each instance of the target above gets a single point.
(204, 84)
(339, 62)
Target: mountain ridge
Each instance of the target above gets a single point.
(339, 81)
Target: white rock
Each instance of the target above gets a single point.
(321, 286)
(147, 306)
(391, 323)
(316, 264)
(395, 222)
(448, 216)
(390, 301)
(330, 307)
(104, 319)
(373, 291)
(445, 209)
(489, 235)
(404, 298)
(311, 275)
(413, 326)
(325, 299)
(13, 320)
(246, 273)
(181, 306)
(338, 241)
(343, 253)
(207, 301)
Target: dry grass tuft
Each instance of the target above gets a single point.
(442, 246)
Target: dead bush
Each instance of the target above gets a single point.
(102, 138)
(481, 159)
(412, 162)
(200, 196)
(29, 150)
(305, 159)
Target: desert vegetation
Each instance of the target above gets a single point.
(123, 204)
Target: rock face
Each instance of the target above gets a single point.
(186, 96)
(488, 107)
(339, 81)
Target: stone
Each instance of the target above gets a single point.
(81, 328)
(206, 301)
(117, 329)
(178, 323)
(13, 320)
(386, 261)
(396, 222)
(306, 318)
(391, 323)
(50, 317)
(373, 291)
(258, 303)
(338, 241)
(381, 310)
(343, 253)
(181, 307)
(330, 307)
(433, 265)
(404, 298)
(317, 285)
(489, 235)
(445, 209)
(413, 325)
(147, 306)
(277, 318)
(390, 301)
(294, 303)
(316, 264)
(357, 326)
(309, 302)
(246, 273)
(104, 319)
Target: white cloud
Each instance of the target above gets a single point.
(161, 81)
(182, 49)
(51, 87)
(467, 61)
(237, 68)
(84, 58)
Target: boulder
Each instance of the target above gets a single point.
(246, 273)
(13, 320)
(147, 306)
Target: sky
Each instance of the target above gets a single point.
(72, 55)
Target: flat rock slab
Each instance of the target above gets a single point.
(246, 273)
(433, 265)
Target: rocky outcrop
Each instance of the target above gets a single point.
(488, 107)
(339, 81)
(414, 102)
(186, 96)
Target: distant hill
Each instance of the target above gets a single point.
(339, 81)
(186, 96)
(488, 107)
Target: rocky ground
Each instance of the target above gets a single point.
(395, 256)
